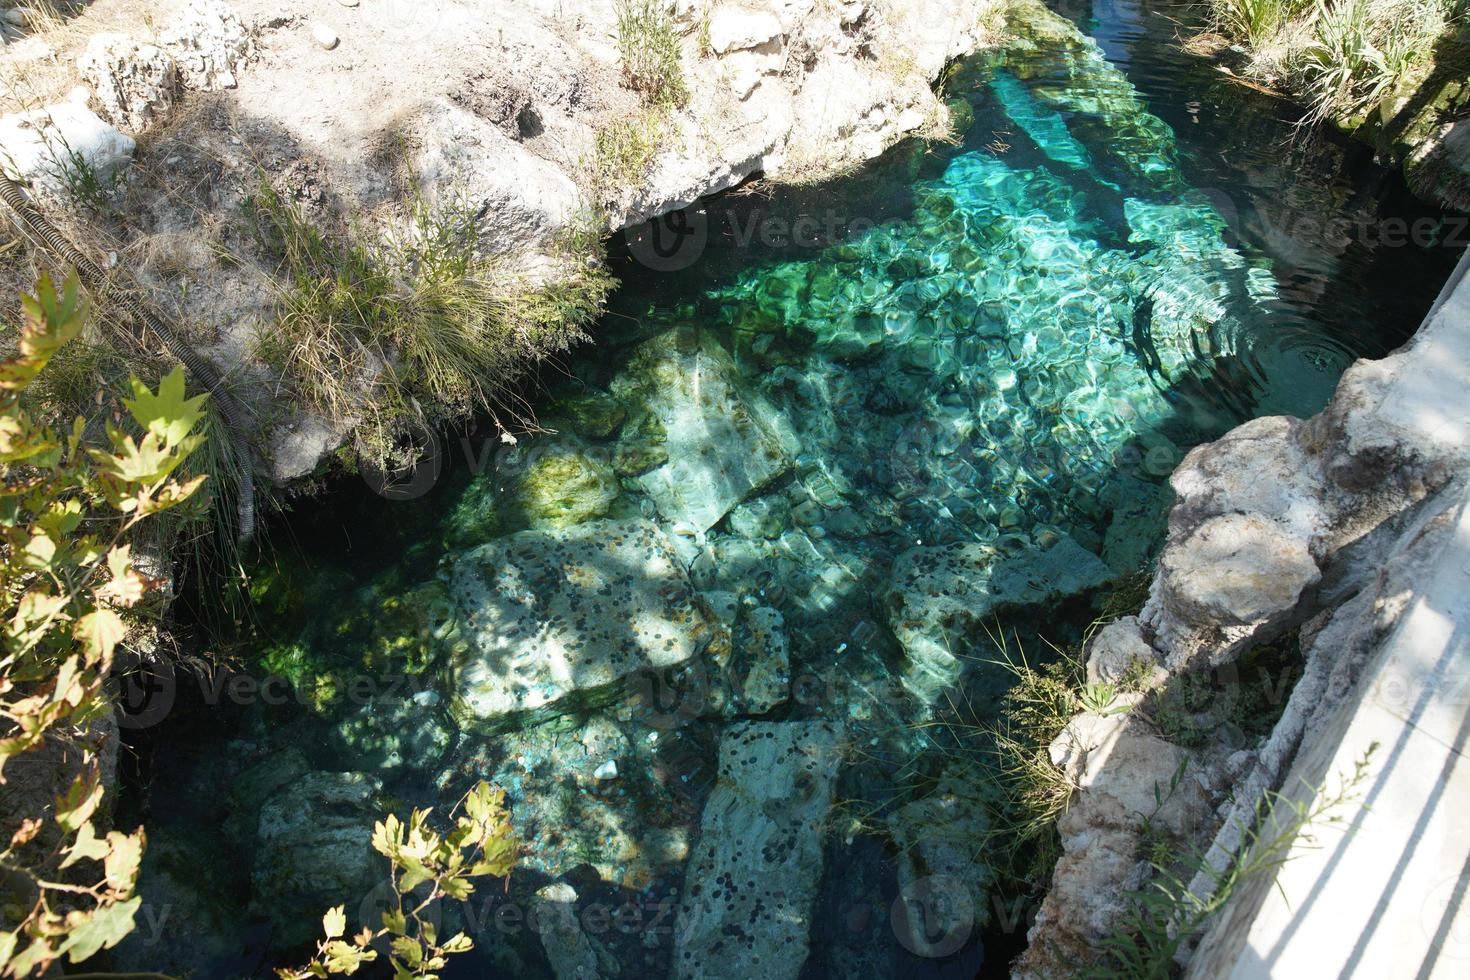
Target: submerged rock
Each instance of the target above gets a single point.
(554, 482)
(750, 884)
(388, 734)
(630, 830)
(941, 834)
(574, 955)
(593, 414)
(546, 614)
(314, 849)
(719, 438)
(938, 594)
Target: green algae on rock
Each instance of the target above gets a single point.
(385, 629)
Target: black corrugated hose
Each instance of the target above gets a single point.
(201, 370)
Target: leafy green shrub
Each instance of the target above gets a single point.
(1363, 51)
(68, 511)
(481, 843)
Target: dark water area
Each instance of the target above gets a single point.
(996, 350)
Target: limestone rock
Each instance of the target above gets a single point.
(751, 881)
(1231, 578)
(59, 146)
(549, 613)
(1439, 168)
(392, 734)
(314, 847)
(630, 829)
(553, 482)
(937, 835)
(594, 414)
(764, 663)
(210, 44)
(937, 594)
(722, 440)
(133, 83)
(1126, 775)
(763, 517)
(466, 158)
(734, 29)
(1116, 650)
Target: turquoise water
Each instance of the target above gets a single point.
(806, 476)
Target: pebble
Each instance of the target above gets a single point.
(348, 3)
(608, 770)
(324, 36)
(20, 16)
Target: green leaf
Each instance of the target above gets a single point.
(80, 802)
(124, 857)
(458, 943)
(334, 923)
(102, 928)
(166, 414)
(87, 847)
(394, 922)
(408, 950)
(99, 632)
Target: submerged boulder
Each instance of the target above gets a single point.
(582, 793)
(314, 849)
(748, 891)
(938, 594)
(710, 439)
(553, 483)
(547, 614)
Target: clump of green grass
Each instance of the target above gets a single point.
(648, 48)
(1254, 22)
(421, 327)
(624, 150)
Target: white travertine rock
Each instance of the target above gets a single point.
(210, 44)
(736, 29)
(133, 83)
(1232, 578)
(550, 613)
(59, 146)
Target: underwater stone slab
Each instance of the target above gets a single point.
(750, 884)
(314, 847)
(938, 593)
(719, 439)
(546, 614)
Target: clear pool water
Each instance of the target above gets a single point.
(875, 420)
